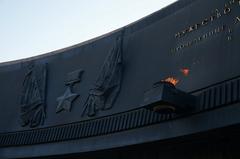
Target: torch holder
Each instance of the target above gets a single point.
(163, 97)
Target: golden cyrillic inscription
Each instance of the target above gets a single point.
(199, 39)
(228, 29)
(238, 19)
(215, 15)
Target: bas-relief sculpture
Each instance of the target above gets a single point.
(32, 103)
(107, 86)
(66, 100)
(101, 97)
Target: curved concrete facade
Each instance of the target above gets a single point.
(91, 96)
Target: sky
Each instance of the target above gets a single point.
(32, 27)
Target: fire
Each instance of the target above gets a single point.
(171, 80)
(185, 71)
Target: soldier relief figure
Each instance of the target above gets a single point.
(33, 96)
(107, 86)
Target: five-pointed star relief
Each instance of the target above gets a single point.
(65, 101)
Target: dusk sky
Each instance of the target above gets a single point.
(33, 27)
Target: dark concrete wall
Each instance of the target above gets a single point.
(151, 52)
(147, 59)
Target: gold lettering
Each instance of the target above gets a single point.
(195, 41)
(238, 19)
(178, 35)
(227, 10)
(185, 31)
(211, 33)
(222, 28)
(231, 2)
(177, 49)
(212, 18)
(217, 30)
(191, 28)
(186, 44)
(203, 37)
(205, 21)
(218, 14)
(196, 26)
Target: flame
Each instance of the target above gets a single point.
(185, 71)
(171, 80)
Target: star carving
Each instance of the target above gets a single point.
(65, 101)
